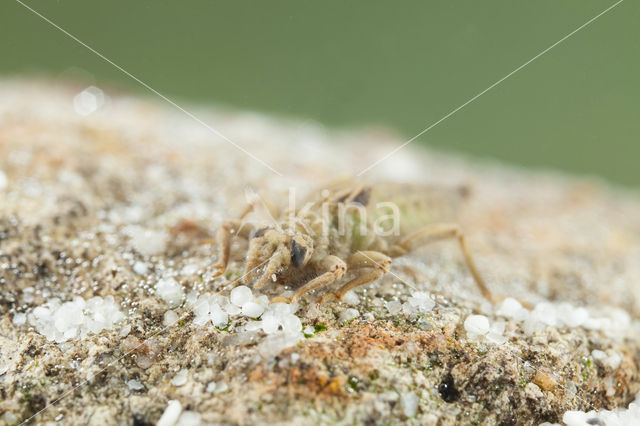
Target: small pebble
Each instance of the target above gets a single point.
(511, 308)
(410, 404)
(134, 385)
(221, 387)
(351, 298)
(252, 309)
(393, 307)
(189, 418)
(170, 318)
(477, 325)
(189, 269)
(170, 291)
(19, 319)
(613, 360)
(241, 295)
(140, 268)
(148, 242)
(180, 378)
(219, 318)
(421, 301)
(124, 332)
(171, 414)
(349, 314)
(78, 318)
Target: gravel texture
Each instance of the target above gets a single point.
(118, 197)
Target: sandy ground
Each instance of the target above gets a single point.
(86, 198)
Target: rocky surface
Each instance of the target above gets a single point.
(107, 195)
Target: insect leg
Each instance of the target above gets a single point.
(359, 193)
(438, 232)
(380, 263)
(253, 260)
(335, 269)
(227, 230)
(272, 267)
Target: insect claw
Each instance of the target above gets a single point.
(328, 296)
(220, 269)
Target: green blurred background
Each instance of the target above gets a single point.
(398, 64)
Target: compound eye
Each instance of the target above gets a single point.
(297, 253)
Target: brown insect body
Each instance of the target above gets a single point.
(315, 245)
